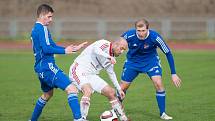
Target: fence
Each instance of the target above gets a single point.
(97, 28)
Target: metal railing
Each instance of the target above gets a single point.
(97, 28)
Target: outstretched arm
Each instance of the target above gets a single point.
(50, 47)
(113, 78)
(74, 48)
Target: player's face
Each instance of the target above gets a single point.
(142, 31)
(47, 18)
(120, 49)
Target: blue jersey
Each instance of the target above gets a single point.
(44, 47)
(143, 53)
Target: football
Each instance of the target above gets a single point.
(109, 115)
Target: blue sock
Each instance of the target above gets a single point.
(38, 109)
(160, 96)
(74, 105)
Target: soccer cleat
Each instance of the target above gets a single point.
(164, 116)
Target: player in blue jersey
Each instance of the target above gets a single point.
(49, 74)
(142, 57)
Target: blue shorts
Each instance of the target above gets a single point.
(53, 78)
(130, 72)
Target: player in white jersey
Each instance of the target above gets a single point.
(85, 69)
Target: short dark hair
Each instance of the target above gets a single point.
(44, 9)
(141, 23)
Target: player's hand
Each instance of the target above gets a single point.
(122, 94)
(78, 47)
(73, 48)
(176, 80)
(112, 60)
(69, 49)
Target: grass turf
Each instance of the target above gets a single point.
(194, 101)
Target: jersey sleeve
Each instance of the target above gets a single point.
(47, 44)
(112, 75)
(125, 35)
(165, 49)
(56, 46)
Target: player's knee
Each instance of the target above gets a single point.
(111, 93)
(159, 86)
(87, 92)
(47, 96)
(124, 86)
(71, 89)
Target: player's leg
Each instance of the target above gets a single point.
(109, 92)
(41, 102)
(156, 76)
(80, 80)
(128, 75)
(160, 93)
(100, 86)
(85, 100)
(62, 81)
(160, 96)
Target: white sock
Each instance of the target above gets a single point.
(85, 105)
(117, 106)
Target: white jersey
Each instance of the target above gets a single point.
(96, 57)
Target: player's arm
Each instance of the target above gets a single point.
(50, 47)
(56, 46)
(71, 48)
(165, 49)
(46, 43)
(113, 78)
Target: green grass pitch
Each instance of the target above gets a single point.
(194, 101)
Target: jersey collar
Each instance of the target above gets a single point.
(111, 50)
(39, 23)
(145, 37)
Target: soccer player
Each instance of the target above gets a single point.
(86, 67)
(142, 57)
(49, 74)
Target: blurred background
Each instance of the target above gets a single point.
(188, 26)
(96, 19)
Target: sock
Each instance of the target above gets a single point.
(85, 105)
(116, 105)
(38, 109)
(74, 105)
(160, 96)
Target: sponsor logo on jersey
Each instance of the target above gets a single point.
(146, 46)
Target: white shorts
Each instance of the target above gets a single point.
(79, 77)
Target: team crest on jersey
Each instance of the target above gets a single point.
(104, 46)
(146, 46)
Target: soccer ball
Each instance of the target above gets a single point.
(109, 115)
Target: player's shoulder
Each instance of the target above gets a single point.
(103, 41)
(129, 33)
(38, 27)
(154, 34)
